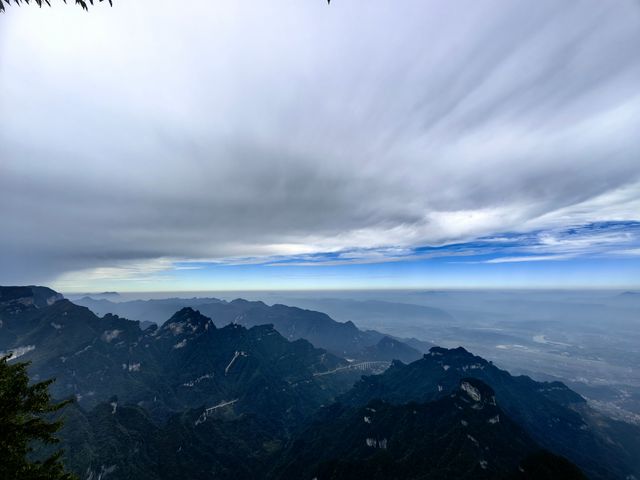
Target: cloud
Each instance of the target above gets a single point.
(594, 240)
(628, 251)
(146, 134)
(607, 240)
(533, 258)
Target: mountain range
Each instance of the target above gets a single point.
(224, 398)
(340, 338)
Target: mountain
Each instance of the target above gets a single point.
(18, 299)
(629, 294)
(340, 338)
(556, 417)
(371, 313)
(464, 434)
(419, 345)
(226, 395)
(192, 399)
(155, 311)
(627, 299)
(113, 295)
(185, 363)
(388, 349)
(122, 441)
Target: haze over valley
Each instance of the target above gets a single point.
(587, 339)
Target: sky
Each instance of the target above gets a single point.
(288, 144)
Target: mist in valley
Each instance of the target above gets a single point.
(588, 339)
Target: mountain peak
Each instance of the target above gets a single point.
(243, 302)
(187, 319)
(448, 351)
(453, 355)
(29, 296)
(186, 313)
(388, 349)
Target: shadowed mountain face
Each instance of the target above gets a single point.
(124, 442)
(555, 416)
(187, 362)
(464, 434)
(341, 338)
(189, 399)
(31, 295)
(20, 299)
(226, 393)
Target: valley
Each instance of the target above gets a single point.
(198, 396)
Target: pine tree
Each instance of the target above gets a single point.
(23, 424)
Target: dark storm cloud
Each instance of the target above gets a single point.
(140, 135)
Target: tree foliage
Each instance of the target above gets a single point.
(23, 409)
(82, 3)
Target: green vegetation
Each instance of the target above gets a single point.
(23, 409)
